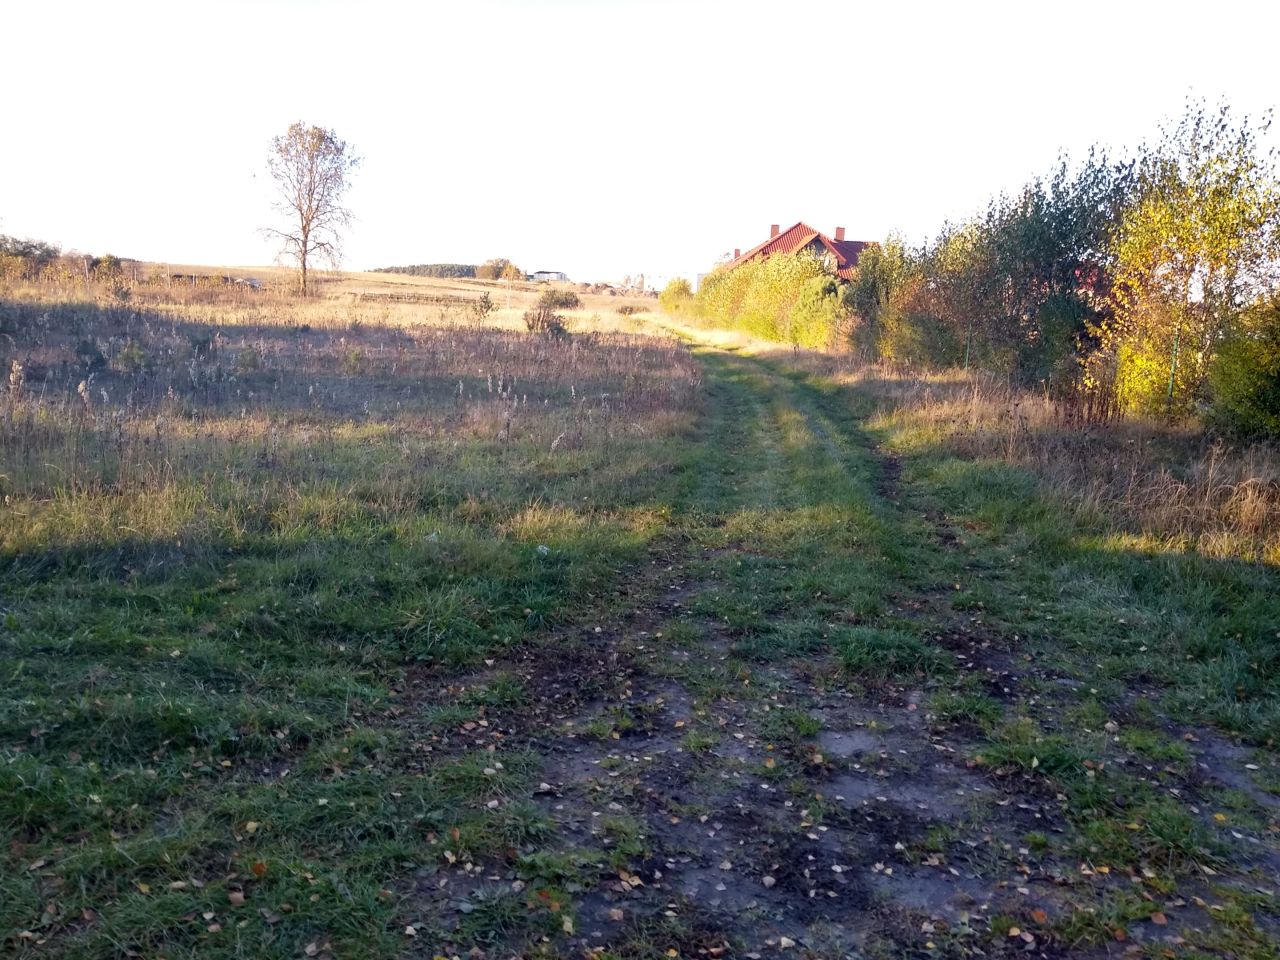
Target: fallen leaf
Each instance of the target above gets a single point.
(259, 869)
(1039, 916)
(1159, 919)
(144, 888)
(235, 898)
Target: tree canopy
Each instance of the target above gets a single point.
(312, 169)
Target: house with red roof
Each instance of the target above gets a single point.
(841, 254)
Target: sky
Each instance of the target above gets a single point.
(602, 138)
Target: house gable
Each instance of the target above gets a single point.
(801, 237)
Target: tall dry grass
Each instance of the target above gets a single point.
(177, 411)
(1177, 486)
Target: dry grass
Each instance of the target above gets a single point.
(118, 405)
(1175, 487)
(378, 289)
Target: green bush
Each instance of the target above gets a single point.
(819, 316)
(1245, 377)
(552, 299)
(760, 297)
(915, 338)
(677, 296)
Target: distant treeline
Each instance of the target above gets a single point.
(497, 268)
(433, 270)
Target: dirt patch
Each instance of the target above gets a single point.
(1233, 766)
(940, 796)
(848, 743)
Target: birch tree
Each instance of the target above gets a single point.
(1201, 243)
(312, 169)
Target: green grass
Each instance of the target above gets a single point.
(967, 706)
(282, 660)
(889, 654)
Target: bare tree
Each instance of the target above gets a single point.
(312, 169)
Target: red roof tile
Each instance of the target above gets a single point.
(796, 238)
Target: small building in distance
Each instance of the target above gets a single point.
(841, 254)
(546, 276)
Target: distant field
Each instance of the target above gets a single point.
(511, 299)
(358, 627)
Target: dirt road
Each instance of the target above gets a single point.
(783, 735)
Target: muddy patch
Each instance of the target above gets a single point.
(848, 743)
(1234, 767)
(940, 796)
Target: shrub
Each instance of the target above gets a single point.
(1245, 376)
(483, 307)
(628, 310)
(759, 296)
(819, 315)
(915, 338)
(546, 321)
(677, 296)
(90, 355)
(559, 300)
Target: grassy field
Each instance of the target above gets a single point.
(357, 628)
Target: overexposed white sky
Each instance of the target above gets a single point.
(597, 137)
